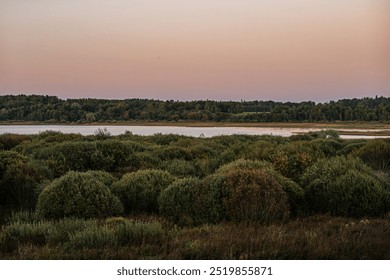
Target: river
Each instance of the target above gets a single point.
(181, 130)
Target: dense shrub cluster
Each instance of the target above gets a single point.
(242, 191)
(81, 195)
(139, 190)
(376, 153)
(220, 197)
(344, 186)
(176, 202)
(195, 180)
(20, 180)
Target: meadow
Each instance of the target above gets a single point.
(311, 196)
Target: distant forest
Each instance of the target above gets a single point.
(53, 109)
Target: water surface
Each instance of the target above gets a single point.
(180, 130)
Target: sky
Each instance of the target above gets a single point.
(282, 50)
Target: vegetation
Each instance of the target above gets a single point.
(312, 196)
(320, 237)
(81, 195)
(139, 190)
(52, 109)
(344, 186)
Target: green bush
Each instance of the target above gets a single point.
(255, 196)
(109, 155)
(243, 191)
(9, 141)
(208, 200)
(20, 180)
(147, 160)
(106, 178)
(343, 186)
(113, 155)
(173, 152)
(261, 150)
(294, 192)
(179, 167)
(376, 153)
(329, 147)
(351, 146)
(78, 194)
(293, 158)
(202, 150)
(357, 194)
(176, 201)
(139, 190)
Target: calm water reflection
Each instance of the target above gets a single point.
(181, 130)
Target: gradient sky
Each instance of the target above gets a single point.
(288, 50)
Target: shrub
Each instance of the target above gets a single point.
(106, 178)
(351, 146)
(9, 141)
(243, 191)
(376, 153)
(176, 201)
(255, 196)
(294, 192)
(114, 155)
(293, 158)
(147, 160)
(179, 167)
(165, 139)
(20, 179)
(261, 150)
(230, 154)
(80, 195)
(343, 186)
(356, 194)
(329, 147)
(173, 152)
(108, 155)
(139, 190)
(202, 150)
(208, 200)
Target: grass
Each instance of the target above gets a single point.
(317, 237)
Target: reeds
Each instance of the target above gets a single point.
(316, 237)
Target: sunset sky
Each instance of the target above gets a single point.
(285, 50)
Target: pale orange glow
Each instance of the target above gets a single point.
(220, 49)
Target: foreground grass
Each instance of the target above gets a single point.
(318, 237)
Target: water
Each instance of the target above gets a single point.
(181, 130)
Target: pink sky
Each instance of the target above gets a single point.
(289, 50)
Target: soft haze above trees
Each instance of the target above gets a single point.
(53, 109)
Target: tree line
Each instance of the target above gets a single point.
(46, 108)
